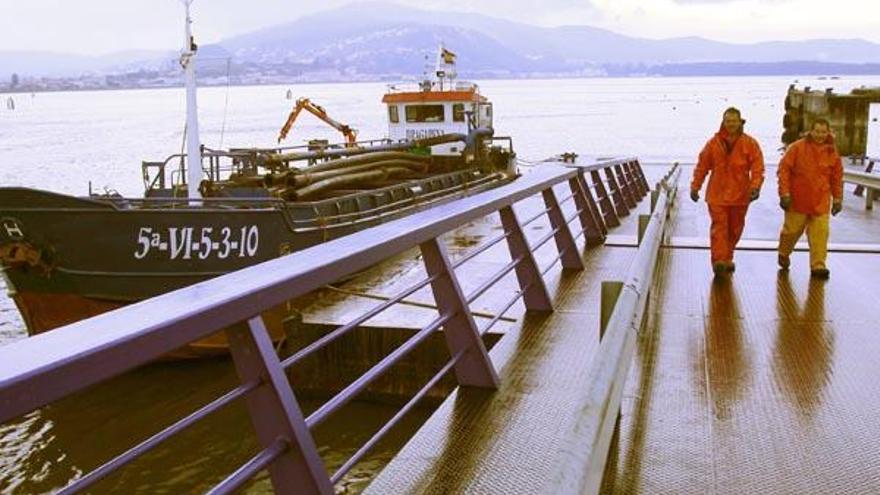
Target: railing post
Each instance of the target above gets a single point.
(634, 189)
(535, 294)
(644, 220)
(275, 412)
(626, 187)
(590, 217)
(608, 211)
(474, 368)
(860, 189)
(633, 169)
(620, 204)
(608, 297)
(640, 175)
(564, 240)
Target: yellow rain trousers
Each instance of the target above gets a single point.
(817, 236)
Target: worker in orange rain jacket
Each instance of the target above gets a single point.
(810, 185)
(735, 165)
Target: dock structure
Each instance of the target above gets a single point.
(757, 382)
(847, 113)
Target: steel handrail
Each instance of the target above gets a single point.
(31, 366)
(348, 327)
(587, 450)
(369, 444)
(44, 368)
(871, 181)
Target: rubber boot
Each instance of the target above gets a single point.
(784, 261)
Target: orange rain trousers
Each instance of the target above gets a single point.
(727, 227)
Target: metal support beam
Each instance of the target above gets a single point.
(275, 412)
(638, 192)
(643, 226)
(591, 219)
(620, 203)
(860, 189)
(608, 210)
(627, 188)
(475, 368)
(535, 294)
(564, 240)
(607, 301)
(641, 175)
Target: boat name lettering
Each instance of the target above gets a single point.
(187, 243)
(423, 133)
(12, 229)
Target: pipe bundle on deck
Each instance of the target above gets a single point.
(280, 158)
(345, 167)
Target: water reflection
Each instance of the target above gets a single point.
(804, 346)
(728, 364)
(46, 449)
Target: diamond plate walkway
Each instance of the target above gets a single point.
(766, 382)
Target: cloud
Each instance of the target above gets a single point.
(686, 2)
(105, 26)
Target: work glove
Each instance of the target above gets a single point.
(695, 195)
(754, 194)
(785, 202)
(836, 207)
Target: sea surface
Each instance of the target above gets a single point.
(71, 141)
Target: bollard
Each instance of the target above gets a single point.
(607, 301)
(644, 220)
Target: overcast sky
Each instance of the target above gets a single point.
(105, 26)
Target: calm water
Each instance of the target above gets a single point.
(61, 141)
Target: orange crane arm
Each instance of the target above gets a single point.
(318, 111)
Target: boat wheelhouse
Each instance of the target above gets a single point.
(437, 106)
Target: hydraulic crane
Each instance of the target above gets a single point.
(318, 111)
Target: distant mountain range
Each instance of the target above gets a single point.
(371, 41)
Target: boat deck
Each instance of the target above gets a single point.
(766, 382)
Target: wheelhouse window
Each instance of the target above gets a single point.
(393, 115)
(458, 112)
(424, 113)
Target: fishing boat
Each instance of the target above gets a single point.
(66, 258)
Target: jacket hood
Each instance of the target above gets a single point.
(722, 131)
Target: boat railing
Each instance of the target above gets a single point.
(37, 371)
(421, 86)
(157, 175)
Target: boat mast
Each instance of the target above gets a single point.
(193, 150)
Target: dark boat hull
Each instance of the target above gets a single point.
(68, 258)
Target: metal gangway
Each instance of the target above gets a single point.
(631, 369)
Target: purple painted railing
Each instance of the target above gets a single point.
(36, 371)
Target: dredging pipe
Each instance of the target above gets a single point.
(277, 159)
(344, 180)
(305, 178)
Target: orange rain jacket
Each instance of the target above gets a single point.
(811, 174)
(735, 169)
